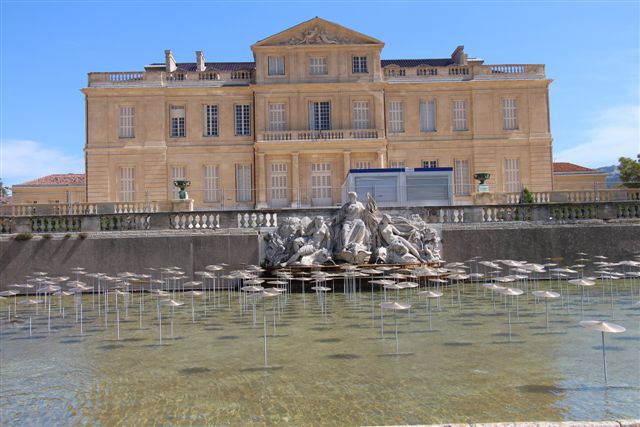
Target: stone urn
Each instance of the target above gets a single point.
(182, 184)
(482, 177)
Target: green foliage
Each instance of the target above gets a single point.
(47, 236)
(68, 235)
(23, 236)
(527, 197)
(630, 172)
(4, 190)
(82, 236)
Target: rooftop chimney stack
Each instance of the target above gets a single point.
(458, 56)
(200, 65)
(169, 61)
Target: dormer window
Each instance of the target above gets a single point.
(276, 65)
(359, 65)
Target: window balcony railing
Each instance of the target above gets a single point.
(320, 135)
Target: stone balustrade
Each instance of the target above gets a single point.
(216, 220)
(218, 78)
(319, 135)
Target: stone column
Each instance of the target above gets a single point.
(380, 160)
(295, 179)
(261, 182)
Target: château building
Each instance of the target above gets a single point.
(317, 101)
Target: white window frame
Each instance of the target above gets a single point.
(210, 183)
(279, 184)
(510, 113)
(396, 116)
(460, 122)
(430, 163)
(428, 116)
(461, 177)
(244, 183)
(511, 175)
(275, 66)
(177, 172)
(277, 116)
(127, 123)
(178, 121)
(210, 120)
(127, 184)
(397, 164)
(359, 64)
(318, 66)
(361, 115)
(320, 115)
(321, 191)
(242, 116)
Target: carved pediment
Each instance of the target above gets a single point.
(317, 31)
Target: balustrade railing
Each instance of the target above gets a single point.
(216, 220)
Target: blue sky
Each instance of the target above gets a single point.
(591, 51)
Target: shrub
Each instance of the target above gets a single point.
(527, 197)
(68, 235)
(23, 236)
(82, 236)
(47, 236)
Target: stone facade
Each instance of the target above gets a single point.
(51, 190)
(318, 100)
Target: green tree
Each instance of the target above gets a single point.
(4, 190)
(630, 172)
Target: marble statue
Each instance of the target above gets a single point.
(358, 234)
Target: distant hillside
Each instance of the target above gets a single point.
(613, 175)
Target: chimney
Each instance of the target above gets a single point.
(169, 61)
(200, 66)
(458, 56)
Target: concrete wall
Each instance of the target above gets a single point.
(534, 243)
(123, 253)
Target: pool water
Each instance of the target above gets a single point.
(329, 360)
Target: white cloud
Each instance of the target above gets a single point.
(22, 161)
(615, 133)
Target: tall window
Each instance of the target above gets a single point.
(126, 190)
(211, 184)
(363, 165)
(277, 120)
(461, 178)
(359, 65)
(243, 120)
(511, 169)
(177, 122)
(318, 66)
(177, 172)
(396, 116)
(460, 115)
(127, 122)
(428, 116)
(320, 115)
(361, 115)
(243, 183)
(429, 163)
(279, 184)
(210, 120)
(321, 183)
(276, 65)
(397, 164)
(510, 114)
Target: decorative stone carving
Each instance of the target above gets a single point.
(358, 234)
(318, 35)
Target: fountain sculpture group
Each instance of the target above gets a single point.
(358, 234)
